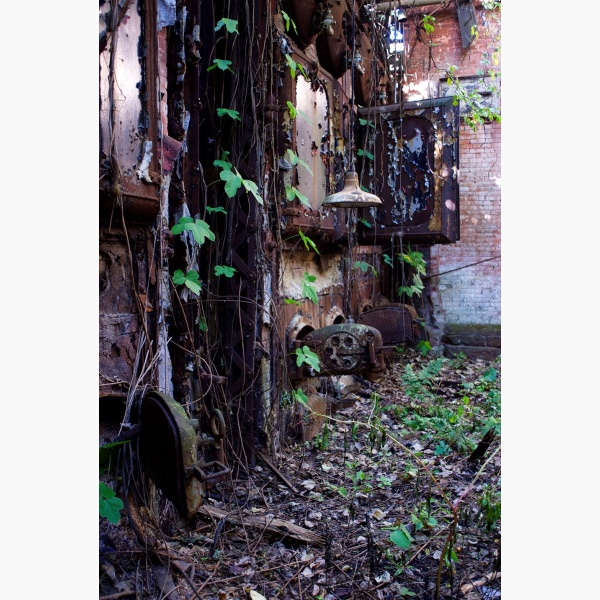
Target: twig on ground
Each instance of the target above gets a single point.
(118, 595)
(197, 592)
(481, 581)
(277, 472)
(284, 529)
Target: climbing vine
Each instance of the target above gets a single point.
(476, 108)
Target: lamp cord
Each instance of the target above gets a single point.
(352, 157)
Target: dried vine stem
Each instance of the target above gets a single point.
(454, 508)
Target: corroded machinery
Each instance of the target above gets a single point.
(169, 446)
(343, 348)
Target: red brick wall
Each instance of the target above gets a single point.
(470, 294)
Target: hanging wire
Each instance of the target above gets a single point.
(352, 157)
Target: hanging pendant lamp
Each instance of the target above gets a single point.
(352, 196)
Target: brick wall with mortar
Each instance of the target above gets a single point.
(464, 290)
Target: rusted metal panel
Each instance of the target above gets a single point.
(129, 150)
(396, 322)
(415, 148)
(316, 136)
(123, 288)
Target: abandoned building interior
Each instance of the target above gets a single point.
(289, 190)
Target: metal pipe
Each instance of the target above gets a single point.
(383, 6)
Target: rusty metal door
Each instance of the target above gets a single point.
(409, 159)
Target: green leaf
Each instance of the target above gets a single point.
(201, 231)
(291, 64)
(223, 162)
(212, 209)
(202, 325)
(442, 449)
(306, 355)
(312, 358)
(309, 291)
(192, 281)
(401, 537)
(234, 114)
(364, 266)
(288, 21)
(110, 505)
(292, 110)
(199, 228)
(423, 346)
(301, 68)
(108, 454)
(296, 160)
(292, 301)
(291, 193)
(343, 492)
(232, 181)
(178, 277)
(301, 397)
(417, 522)
(106, 492)
(365, 122)
(308, 242)
(490, 375)
(428, 22)
(224, 270)
(221, 63)
(404, 591)
(364, 222)
(253, 189)
(361, 152)
(229, 24)
(387, 259)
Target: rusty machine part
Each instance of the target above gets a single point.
(304, 13)
(332, 47)
(396, 322)
(169, 444)
(345, 348)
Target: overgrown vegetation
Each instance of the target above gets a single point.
(397, 515)
(395, 458)
(487, 32)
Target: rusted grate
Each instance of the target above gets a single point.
(394, 321)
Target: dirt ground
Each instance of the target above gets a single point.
(388, 501)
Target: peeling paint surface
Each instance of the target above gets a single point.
(166, 13)
(310, 130)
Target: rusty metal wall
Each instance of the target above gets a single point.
(158, 150)
(127, 303)
(128, 110)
